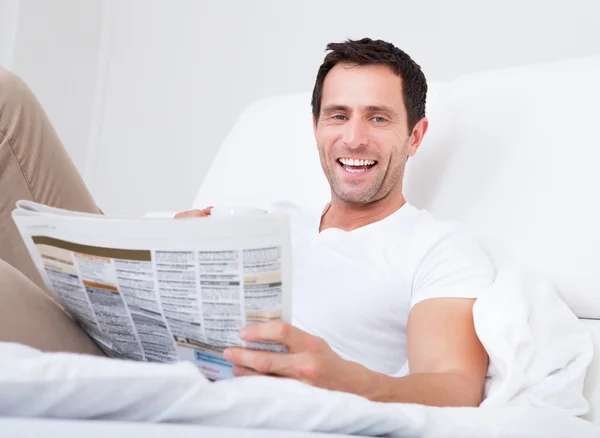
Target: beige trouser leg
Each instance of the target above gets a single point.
(28, 316)
(33, 165)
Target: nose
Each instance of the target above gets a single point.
(355, 133)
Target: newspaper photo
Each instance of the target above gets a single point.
(163, 290)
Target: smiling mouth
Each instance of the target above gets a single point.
(351, 165)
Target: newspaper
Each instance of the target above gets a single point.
(163, 290)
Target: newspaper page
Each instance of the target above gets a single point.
(164, 290)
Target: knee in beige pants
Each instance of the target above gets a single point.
(34, 166)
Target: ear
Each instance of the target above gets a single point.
(417, 136)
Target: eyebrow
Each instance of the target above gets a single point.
(368, 108)
(380, 109)
(335, 107)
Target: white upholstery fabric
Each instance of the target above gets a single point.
(592, 379)
(270, 156)
(28, 428)
(70, 386)
(515, 159)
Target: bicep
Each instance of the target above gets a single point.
(442, 339)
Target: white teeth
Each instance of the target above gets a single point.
(353, 162)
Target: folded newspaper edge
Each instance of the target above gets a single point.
(163, 290)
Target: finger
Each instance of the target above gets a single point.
(240, 371)
(261, 362)
(194, 213)
(191, 213)
(278, 331)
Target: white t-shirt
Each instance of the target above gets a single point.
(355, 289)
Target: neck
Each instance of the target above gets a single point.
(347, 216)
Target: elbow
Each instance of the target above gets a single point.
(472, 390)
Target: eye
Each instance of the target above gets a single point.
(339, 117)
(379, 119)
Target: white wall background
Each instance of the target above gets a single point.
(143, 91)
(56, 53)
(9, 10)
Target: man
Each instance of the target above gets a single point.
(383, 294)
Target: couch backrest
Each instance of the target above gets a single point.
(515, 158)
(270, 155)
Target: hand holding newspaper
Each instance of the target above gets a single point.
(163, 290)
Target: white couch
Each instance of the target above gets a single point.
(512, 154)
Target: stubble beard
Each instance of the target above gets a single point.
(377, 189)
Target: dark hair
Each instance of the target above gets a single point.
(367, 52)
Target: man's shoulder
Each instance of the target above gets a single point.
(425, 225)
(435, 238)
(452, 262)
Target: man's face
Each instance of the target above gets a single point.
(362, 133)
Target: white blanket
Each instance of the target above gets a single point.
(538, 349)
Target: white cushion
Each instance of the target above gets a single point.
(67, 386)
(270, 155)
(515, 159)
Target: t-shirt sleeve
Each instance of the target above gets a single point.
(454, 266)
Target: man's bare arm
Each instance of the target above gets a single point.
(447, 362)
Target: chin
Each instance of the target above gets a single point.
(354, 198)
